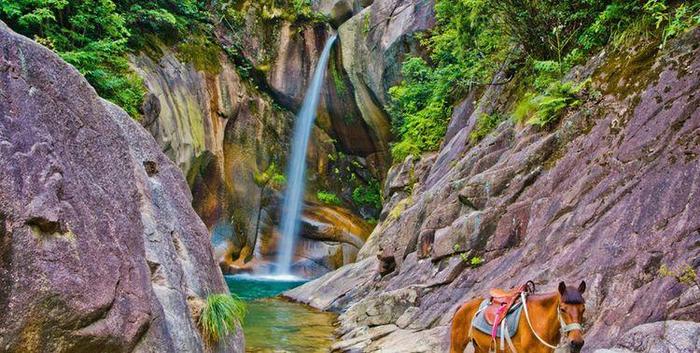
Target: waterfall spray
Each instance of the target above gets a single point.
(296, 183)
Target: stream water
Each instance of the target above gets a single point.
(274, 324)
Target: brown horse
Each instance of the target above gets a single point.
(550, 315)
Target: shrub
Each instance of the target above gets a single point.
(476, 261)
(328, 198)
(368, 195)
(484, 125)
(685, 274)
(546, 108)
(220, 316)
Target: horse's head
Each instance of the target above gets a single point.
(572, 306)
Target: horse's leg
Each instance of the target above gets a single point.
(461, 322)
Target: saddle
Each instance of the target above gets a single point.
(501, 303)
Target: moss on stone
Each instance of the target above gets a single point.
(199, 51)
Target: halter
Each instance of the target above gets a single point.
(565, 328)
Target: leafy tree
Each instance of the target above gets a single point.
(270, 177)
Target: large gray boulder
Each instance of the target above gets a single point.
(660, 337)
(100, 249)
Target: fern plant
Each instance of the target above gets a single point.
(220, 316)
(546, 108)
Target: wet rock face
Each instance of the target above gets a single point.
(100, 249)
(607, 196)
(220, 130)
(329, 238)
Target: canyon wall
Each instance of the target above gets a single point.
(224, 125)
(608, 195)
(100, 249)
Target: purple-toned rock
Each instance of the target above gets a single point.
(609, 195)
(100, 249)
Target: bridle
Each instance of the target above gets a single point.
(564, 329)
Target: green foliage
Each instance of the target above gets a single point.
(614, 18)
(368, 195)
(328, 198)
(545, 108)
(400, 207)
(419, 108)
(541, 39)
(366, 22)
(220, 316)
(338, 80)
(91, 35)
(271, 176)
(95, 36)
(484, 125)
(684, 18)
(273, 10)
(476, 261)
(686, 274)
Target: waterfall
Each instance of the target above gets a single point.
(296, 170)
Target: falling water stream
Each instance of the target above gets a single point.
(273, 324)
(296, 183)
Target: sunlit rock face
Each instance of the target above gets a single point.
(373, 44)
(608, 195)
(220, 132)
(222, 128)
(100, 249)
(666, 336)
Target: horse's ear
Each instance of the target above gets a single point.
(582, 287)
(562, 288)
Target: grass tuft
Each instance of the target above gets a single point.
(220, 316)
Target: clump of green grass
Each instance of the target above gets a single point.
(220, 316)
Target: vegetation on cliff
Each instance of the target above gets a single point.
(95, 36)
(536, 40)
